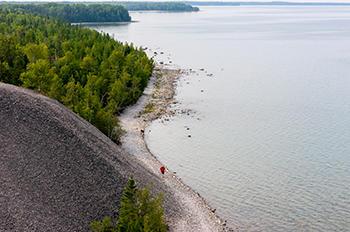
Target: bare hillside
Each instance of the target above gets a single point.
(58, 172)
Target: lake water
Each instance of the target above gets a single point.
(270, 120)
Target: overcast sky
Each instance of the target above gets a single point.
(332, 1)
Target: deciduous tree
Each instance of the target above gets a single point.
(39, 76)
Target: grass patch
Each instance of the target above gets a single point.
(148, 108)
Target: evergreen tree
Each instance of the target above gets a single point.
(12, 60)
(129, 218)
(139, 212)
(151, 211)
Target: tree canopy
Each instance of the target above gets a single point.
(159, 6)
(73, 13)
(90, 73)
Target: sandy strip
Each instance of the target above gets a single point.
(196, 214)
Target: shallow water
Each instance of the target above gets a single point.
(270, 132)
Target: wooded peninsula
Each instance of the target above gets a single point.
(90, 73)
(75, 12)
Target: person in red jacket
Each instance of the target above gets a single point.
(162, 170)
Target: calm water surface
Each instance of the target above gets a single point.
(270, 133)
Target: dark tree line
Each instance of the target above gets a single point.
(73, 13)
(90, 73)
(159, 6)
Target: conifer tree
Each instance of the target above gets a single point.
(128, 218)
(151, 211)
(139, 212)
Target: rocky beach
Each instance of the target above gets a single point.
(156, 103)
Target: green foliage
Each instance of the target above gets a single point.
(35, 52)
(12, 60)
(155, 93)
(39, 76)
(160, 6)
(148, 108)
(73, 13)
(105, 226)
(90, 73)
(151, 210)
(129, 212)
(139, 212)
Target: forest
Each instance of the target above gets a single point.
(158, 6)
(90, 73)
(73, 13)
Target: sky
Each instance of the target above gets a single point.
(330, 1)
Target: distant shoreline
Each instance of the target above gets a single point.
(104, 23)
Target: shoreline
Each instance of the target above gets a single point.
(103, 23)
(197, 214)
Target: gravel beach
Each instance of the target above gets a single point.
(196, 214)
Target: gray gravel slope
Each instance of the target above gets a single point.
(58, 172)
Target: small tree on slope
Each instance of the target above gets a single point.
(129, 220)
(139, 212)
